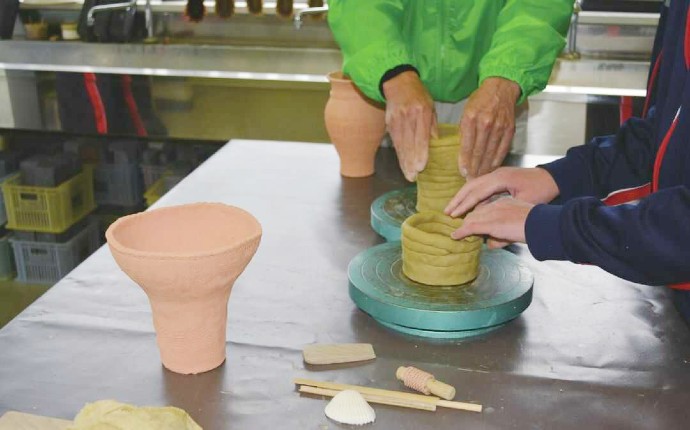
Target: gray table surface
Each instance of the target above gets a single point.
(591, 351)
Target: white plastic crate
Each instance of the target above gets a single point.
(47, 263)
(118, 184)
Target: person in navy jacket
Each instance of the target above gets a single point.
(621, 202)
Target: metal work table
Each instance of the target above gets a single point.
(591, 351)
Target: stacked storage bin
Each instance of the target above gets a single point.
(163, 166)
(9, 165)
(118, 182)
(47, 205)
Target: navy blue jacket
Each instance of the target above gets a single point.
(647, 161)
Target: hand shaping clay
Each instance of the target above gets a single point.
(440, 180)
(112, 415)
(431, 257)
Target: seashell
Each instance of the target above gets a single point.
(349, 407)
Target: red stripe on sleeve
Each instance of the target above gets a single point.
(627, 196)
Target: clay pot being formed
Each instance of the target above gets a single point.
(431, 257)
(356, 126)
(440, 180)
(186, 259)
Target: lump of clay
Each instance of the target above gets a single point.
(431, 257)
(440, 180)
(112, 415)
(349, 407)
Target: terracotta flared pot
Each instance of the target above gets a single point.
(440, 180)
(186, 259)
(355, 124)
(431, 257)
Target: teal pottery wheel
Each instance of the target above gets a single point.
(390, 210)
(501, 292)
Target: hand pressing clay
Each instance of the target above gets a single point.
(431, 257)
(112, 415)
(440, 180)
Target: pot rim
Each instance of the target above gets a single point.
(338, 76)
(119, 247)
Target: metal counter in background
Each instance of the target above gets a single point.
(592, 351)
(216, 92)
(596, 77)
(258, 77)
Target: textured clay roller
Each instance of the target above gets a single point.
(424, 382)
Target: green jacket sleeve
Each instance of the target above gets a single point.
(529, 36)
(369, 35)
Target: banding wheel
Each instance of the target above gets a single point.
(390, 210)
(500, 293)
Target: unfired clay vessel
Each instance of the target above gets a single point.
(356, 126)
(186, 258)
(440, 180)
(431, 257)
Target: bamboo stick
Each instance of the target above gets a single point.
(382, 400)
(389, 393)
(366, 390)
(472, 407)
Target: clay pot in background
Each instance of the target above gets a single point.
(440, 180)
(195, 10)
(356, 126)
(284, 8)
(316, 3)
(255, 7)
(225, 8)
(186, 259)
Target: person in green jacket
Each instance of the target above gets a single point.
(412, 53)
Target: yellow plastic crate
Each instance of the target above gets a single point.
(155, 192)
(48, 209)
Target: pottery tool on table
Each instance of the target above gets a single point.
(338, 353)
(384, 397)
(500, 293)
(424, 382)
(390, 210)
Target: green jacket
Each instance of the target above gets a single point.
(455, 44)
